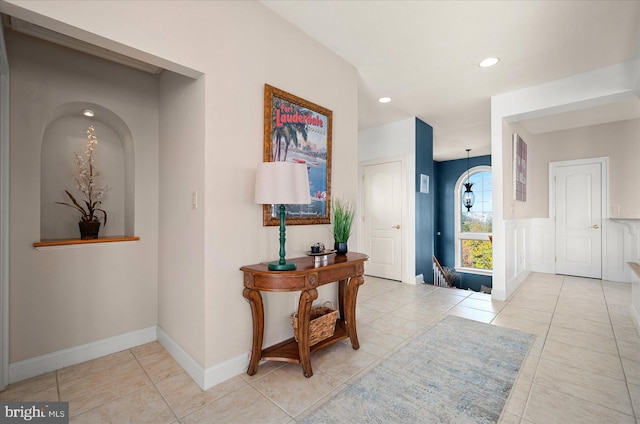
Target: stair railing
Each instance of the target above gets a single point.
(439, 278)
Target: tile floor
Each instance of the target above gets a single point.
(583, 368)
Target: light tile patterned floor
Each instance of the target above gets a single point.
(583, 368)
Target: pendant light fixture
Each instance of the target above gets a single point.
(468, 197)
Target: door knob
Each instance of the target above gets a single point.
(397, 227)
(596, 226)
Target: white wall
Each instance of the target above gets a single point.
(396, 140)
(606, 85)
(238, 46)
(65, 297)
(389, 140)
(634, 249)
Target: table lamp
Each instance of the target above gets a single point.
(282, 183)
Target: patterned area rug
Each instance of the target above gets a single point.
(458, 371)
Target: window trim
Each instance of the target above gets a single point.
(458, 235)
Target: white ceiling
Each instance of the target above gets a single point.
(425, 54)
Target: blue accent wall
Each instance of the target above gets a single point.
(447, 173)
(425, 217)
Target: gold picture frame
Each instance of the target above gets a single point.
(296, 130)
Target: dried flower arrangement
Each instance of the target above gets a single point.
(86, 181)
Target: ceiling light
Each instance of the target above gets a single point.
(488, 62)
(88, 113)
(384, 99)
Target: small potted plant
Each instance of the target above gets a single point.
(86, 183)
(342, 213)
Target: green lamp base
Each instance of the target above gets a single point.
(277, 266)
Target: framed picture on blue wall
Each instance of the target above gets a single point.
(424, 183)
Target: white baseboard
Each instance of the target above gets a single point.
(182, 357)
(498, 294)
(38, 365)
(225, 370)
(419, 279)
(635, 317)
(206, 378)
(511, 287)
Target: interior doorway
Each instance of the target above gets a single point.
(578, 199)
(382, 214)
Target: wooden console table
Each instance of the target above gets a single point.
(347, 270)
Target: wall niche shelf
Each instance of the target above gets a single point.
(72, 242)
(66, 134)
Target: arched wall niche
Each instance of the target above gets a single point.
(65, 133)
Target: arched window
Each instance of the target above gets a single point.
(474, 250)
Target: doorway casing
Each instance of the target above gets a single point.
(604, 167)
(383, 218)
(4, 213)
(405, 225)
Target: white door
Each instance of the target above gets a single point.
(578, 212)
(382, 215)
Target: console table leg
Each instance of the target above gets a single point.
(257, 314)
(350, 308)
(304, 316)
(342, 297)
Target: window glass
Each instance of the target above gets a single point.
(478, 219)
(477, 254)
(475, 225)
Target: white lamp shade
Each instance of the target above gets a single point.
(282, 183)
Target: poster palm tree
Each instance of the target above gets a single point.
(287, 133)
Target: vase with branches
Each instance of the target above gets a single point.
(87, 184)
(343, 213)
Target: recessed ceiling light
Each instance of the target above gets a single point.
(384, 99)
(88, 113)
(488, 62)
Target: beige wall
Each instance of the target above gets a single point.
(238, 46)
(620, 141)
(181, 232)
(247, 47)
(65, 297)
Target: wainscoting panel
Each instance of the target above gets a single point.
(615, 247)
(518, 258)
(620, 244)
(543, 246)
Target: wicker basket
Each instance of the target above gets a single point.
(322, 323)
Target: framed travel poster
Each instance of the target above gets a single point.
(296, 130)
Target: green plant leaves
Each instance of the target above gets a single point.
(343, 213)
